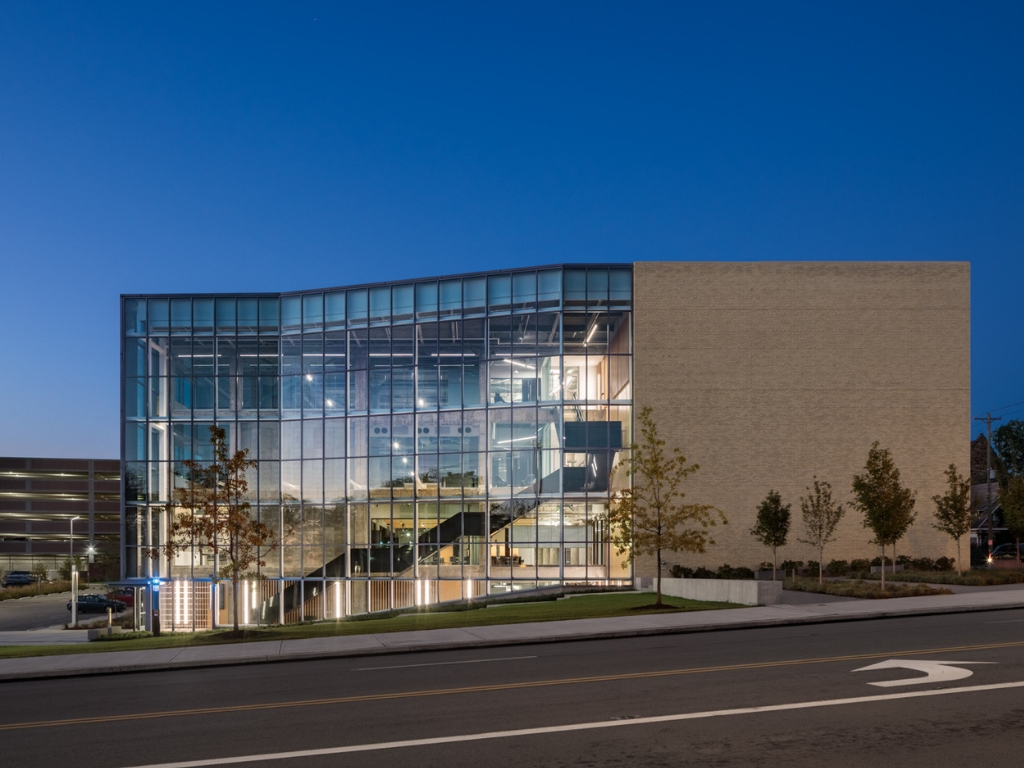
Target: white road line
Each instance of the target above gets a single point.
(445, 663)
(579, 727)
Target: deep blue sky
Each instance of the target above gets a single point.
(273, 147)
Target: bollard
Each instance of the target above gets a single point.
(110, 617)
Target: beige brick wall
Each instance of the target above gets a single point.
(768, 373)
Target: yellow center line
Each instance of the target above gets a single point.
(491, 688)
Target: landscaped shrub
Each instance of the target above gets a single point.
(723, 572)
(945, 564)
(877, 562)
(970, 578)
(792, 565)
(904, 560)
(860, 564)
(922, 564)
(866, 589)
(728, 572)
(812, 567)
(837, 568)
(765, 566)
(49, 588)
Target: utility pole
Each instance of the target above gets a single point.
(988, 474)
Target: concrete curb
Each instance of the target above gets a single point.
(441, 645)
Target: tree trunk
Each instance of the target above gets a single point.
(234, 589)
(775, 562)
(821, 566)
(658, 603)
(1018, 551)
(883, 567)
(959, 564)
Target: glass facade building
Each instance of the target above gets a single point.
(417, 442)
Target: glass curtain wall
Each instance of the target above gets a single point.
(417, 442)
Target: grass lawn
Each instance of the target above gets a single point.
(576, 607)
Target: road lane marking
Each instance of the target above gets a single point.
(490, 688)
(446, 740)
(444, 663)
(934, 671)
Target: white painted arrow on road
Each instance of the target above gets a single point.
(935, 671)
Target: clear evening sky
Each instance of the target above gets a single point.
(268, 147)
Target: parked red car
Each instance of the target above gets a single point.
(124, 595)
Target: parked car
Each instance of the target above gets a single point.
(125, 595)
(19, 579)
(1007, 552)
(97, 604)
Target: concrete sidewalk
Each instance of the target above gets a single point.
(39, 667)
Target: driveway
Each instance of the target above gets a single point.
(37, 612)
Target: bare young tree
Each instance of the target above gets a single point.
(821, 518)
(650, 517)
(953, 510)
(887, 505)
(211, 512)
(772, 525)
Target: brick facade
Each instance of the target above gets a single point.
(768, 373)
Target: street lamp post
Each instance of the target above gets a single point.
(74, 575)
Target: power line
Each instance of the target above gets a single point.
(1004, 407)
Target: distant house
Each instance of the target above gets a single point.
(984, 495)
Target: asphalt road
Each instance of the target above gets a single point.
(591, 701)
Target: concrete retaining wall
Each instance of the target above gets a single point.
(739, 591)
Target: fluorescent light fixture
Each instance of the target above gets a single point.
(593, 330)
(516, 440)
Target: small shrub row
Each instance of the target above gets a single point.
(121, 636)
(865, 589)
(785, 566)
(859, 568)
(724, 572)
(969, 579)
